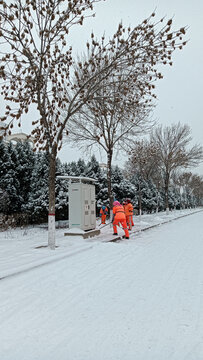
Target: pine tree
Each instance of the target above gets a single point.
(81, 167)
(94, 171)
(148, 196)
(122, 188)
(61, 191)
(10, 179)
(38, 202)
(25, 159)
(4, 164)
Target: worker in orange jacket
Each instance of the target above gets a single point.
(119, 217)
(129, 214)
(124, 204)
(103, 214)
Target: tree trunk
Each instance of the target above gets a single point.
(51, 217)
(140, 200)
(166, 192)
(109, 183)
(157, 201)
(109, 173)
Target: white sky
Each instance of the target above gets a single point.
(180, 92)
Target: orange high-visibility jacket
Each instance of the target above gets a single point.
(119, 213)
(104, 212)
(124, 206)
(128, 209)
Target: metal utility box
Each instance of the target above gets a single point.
(82, 213)
(82, 208)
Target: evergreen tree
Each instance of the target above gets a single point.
(138, 182)
(81, 168)
(129, 191)
(116, 179)
(38, 202)
(61, 191)
(148, 197)
(4, 164)
(25, 159)
(92, 168)
(72, 168)
(4, 202)
(10, 179)
(94, 171)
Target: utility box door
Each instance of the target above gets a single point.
(82, 212)
(92, 207)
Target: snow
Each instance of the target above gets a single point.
(140, 299)
(75, 231)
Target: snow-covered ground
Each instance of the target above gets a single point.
(140, 299)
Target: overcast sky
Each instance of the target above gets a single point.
(180, 96)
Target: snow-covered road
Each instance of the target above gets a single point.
(140, 299)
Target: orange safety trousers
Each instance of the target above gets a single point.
(124, 226)
(119, 217)
(129, 215)
(103, 219)
(103, 213)
(129, 220)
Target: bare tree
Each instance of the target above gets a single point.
(35, 67)
(189, 185)
(38, 67)
(120, 107)
(116, 114)
(173, 153)
(196, 186)
(143, 161)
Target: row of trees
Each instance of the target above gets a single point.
(113, 80)
(162, 156)
(24, 185)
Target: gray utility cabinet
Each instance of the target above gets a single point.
(82, 205)
(82, 212)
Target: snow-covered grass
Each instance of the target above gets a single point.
(21, 249)
(140, 299)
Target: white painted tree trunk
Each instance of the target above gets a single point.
(51, 216)
(167, 211)
(51, 232)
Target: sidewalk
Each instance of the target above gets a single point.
(145, 222)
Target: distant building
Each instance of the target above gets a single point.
(103, 166)
(14, 138)
(22, 137)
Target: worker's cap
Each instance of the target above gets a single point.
(116, 203)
